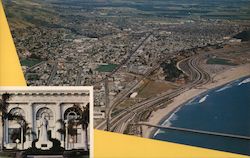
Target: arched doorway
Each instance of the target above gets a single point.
(72, 117)
(16, 121)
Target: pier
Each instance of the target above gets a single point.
(191, 131)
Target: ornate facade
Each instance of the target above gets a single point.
(57, 105)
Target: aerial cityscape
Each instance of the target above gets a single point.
(145, 58)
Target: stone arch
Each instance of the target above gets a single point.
(72, 113)
(15, 120)
(48, 113)
(17, 111)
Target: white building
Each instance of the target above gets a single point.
(55, 104)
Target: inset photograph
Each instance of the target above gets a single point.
(46, 121)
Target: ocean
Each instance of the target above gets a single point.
(225, 109)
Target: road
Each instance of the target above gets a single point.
(124, 62)
(130, 89)
(79, 77)
(53, 73)
(123, 96)
(198, 77)
(120, 121)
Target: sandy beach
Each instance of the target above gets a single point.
(218, 80)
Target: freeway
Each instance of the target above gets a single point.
(120, 121)
(35, 66)
(53, 73)
(130, 89)
(124, 62)
(123, 95)
(197, 75)
(79, 77)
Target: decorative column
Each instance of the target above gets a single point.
(84, 139)
(33, 122)
(6, 131)
(1, 134)
(57, 117)
(29, 120)
(66, 136)
(22, 135)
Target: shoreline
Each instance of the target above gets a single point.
(160, 115)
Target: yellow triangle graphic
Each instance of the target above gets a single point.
(113, 145)
(10, 69)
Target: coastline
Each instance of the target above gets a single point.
(160, 115)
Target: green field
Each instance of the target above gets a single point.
(220, 61)
(32, 77)
(106, 68)
(30, 62)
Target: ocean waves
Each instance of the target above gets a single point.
(224, 88)
(168, 122)
(203, 99)
(244, 81)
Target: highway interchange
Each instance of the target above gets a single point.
(119, 122)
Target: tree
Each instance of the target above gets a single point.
(84, 120)
(23, 126)
(62, 130)
(171, 71)
(4, 113)
(71, 130)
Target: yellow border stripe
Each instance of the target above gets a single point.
(10, 69)
(113, 145)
